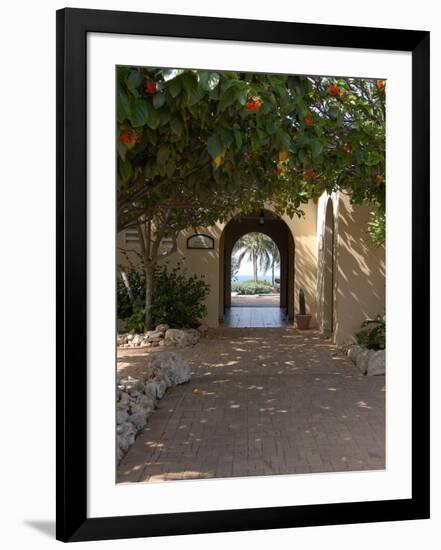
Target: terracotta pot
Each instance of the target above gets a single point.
(303, 321)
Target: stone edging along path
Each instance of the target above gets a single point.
(137, 397)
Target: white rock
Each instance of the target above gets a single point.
(138, 418)
(175, 337)
(121, 416)
(154, 335)
(125, 435)
(162, 328)
(202, 328)
(377, 363)
(360, 356)
(193, 336)
(171, 364)
(137, 339)
(152, 390)
(147, 402)
(124, 397)
(131, 385)
(129, 337)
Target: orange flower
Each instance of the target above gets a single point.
(252, 105)
(127, 137)
(333, 89)
(308, 120)
(380, 84)
(311, 174)
(151, 87)
(378, 178)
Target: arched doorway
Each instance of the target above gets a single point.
(274, 227)
(328, 270)
(255, 275)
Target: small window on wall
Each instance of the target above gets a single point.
(132, 236)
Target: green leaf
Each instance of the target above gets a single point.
(316, 148)
(153, 118)
(158, 100)
(125, 170)
(209, 80)
(175, 88)
(285, 140)
(238, 138)
(373, 158)
(122, 150)
(227, 138)
(177, 126)
(123, 104)
(164, 117)
(170, 168)
(214, 146)
(163, 154)
(189, 82)
(133, 82)
(139, 112)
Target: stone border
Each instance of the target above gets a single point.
(163, 335)
(136, 398)
(369, 361)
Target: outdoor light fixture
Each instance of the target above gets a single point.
(261, 218)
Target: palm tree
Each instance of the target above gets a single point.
(274, 262)
(260, 250)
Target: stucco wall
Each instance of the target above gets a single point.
(304, 232)
(207, 263)
(359, 268)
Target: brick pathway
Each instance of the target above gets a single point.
(262, 402)
(256, 300)
(240, 317)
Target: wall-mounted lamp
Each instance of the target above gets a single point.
(261, 217)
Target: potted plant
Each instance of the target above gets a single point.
(302, 319)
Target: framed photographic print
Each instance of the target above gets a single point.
(242, 207)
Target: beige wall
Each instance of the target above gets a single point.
(359, 268)
(304, 232)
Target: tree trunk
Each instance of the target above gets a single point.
(149, 271)
(126, 282)
(255, 267)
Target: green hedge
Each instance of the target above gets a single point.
(250, 287)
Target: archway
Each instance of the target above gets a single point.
(328, 270)
(255, 276)
(274, 227)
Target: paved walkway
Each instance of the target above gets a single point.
(261, 402)
(255, 300)
(246, 317)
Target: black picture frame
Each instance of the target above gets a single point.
(73, 25)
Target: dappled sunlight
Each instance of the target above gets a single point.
(262, 402)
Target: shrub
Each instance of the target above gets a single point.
(373, 335)
(250, 287)
(125, 308)
(178, 299)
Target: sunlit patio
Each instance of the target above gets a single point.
(261, 401)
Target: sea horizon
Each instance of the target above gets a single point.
(250, 277)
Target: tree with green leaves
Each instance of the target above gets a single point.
(196, 146)
(255, 247)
